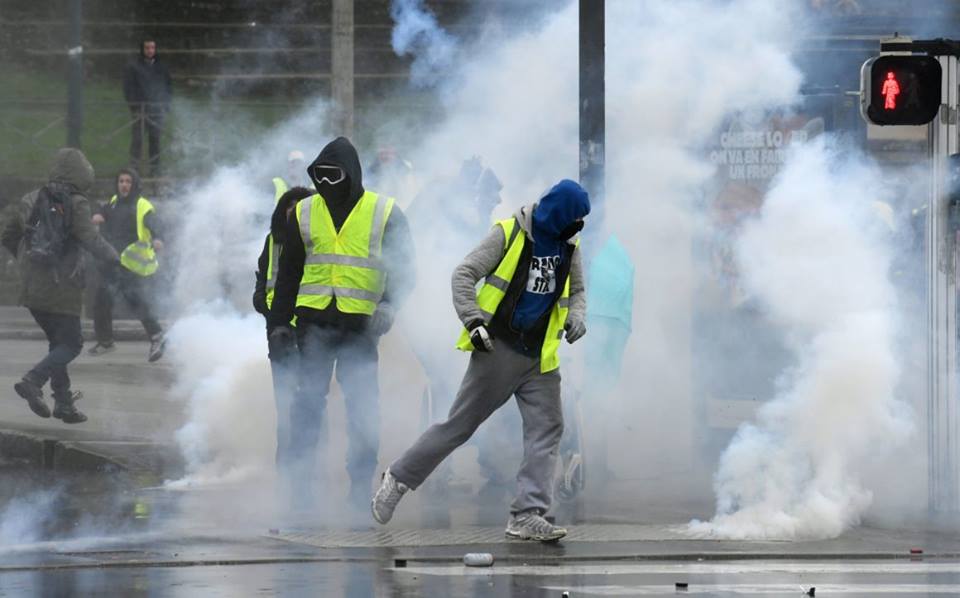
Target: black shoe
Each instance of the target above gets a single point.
(33, 394)
(66, 411)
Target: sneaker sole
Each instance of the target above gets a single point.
(153, 358)
(548, 539)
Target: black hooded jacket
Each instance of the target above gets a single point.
(120, 219)
(398, 253)
(147, 81)
(278, 233)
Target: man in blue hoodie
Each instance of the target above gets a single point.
(533, 294)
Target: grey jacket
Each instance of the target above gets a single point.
(59, 288)
(484, 259)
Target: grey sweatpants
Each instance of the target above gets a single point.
(491, 379)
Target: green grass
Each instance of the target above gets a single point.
(198, 134)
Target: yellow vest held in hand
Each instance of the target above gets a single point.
(343, 266)
(494, 289)
(139, 257)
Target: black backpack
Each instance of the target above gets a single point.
(48, 227)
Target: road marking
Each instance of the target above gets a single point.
(725, 568)
(768, 589)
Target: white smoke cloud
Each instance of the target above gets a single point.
(24, 518)
(417, 33)
(671, 83)
(221, 368)
(817, 261)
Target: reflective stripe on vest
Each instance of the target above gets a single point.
(139, 257)
(344, 265)
(273, 262)
(279, 188)
(495, 287)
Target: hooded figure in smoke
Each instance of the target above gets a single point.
(56, 217)
(129, 222)
(347, 265)
(283, 357)
(533, 293)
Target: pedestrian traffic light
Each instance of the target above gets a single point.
(902, 90)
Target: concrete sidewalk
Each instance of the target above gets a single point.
(131, 419)
(17, 324)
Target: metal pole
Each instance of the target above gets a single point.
(943, 406)
(75, 76)
(592, 105)
(342, 67)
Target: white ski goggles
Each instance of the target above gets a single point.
(328, 174)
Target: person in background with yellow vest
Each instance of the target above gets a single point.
(294, 176)
(129, 222)
(533, 293)
(283, 358)
(347, 266)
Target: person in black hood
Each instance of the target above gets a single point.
(148, 89)
(129, 222)
(283, 356)
(344, 288)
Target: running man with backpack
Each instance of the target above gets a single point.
(46, 232)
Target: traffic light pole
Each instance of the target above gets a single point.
(592, 105)
(943, 401)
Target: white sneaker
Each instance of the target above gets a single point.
(530, 525)
(388, 495)
(157, 345)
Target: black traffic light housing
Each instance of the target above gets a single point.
(902, 89)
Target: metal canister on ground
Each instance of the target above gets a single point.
(478, 559)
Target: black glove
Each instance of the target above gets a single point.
(382, 320)
(480, 336)
(281, 342)
(260, 303)
(575, 329)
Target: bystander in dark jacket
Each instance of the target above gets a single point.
(148, 89)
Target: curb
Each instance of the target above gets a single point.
(84, 456)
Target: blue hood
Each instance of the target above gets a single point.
(565, 203)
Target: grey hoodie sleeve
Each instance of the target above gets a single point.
(478, 264)
(578, 295)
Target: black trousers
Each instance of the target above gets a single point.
(149, 121)
(65, 343)
(352, 357)
(132, 289)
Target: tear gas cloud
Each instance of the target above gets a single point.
(511, 98)
(417, 33)
(818, 261)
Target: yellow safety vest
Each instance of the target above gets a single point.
(139, 257)
(494, 289)
(279, 188)
(345, 265)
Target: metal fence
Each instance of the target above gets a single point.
(194, 136)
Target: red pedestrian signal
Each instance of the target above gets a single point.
(901, 89)
(890, 91)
